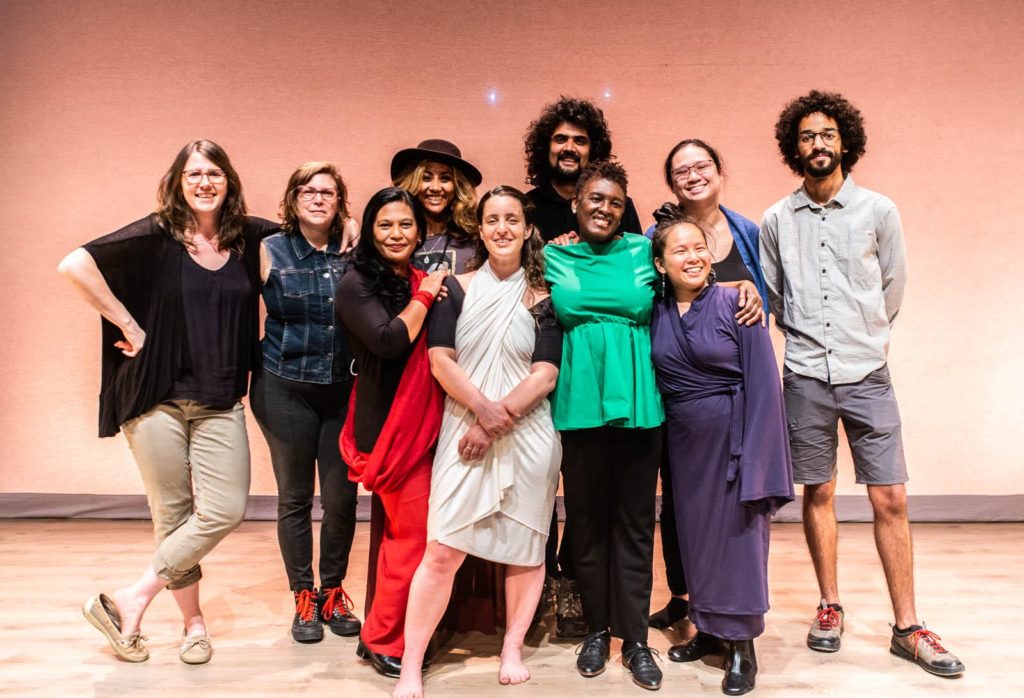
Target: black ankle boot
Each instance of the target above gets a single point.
(740, 667)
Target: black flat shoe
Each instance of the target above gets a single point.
(593, 654)
(740, 667)
(700, 646)
(639, 659)
(675, 610)
(382, 663)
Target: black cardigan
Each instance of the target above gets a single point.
(142, 265)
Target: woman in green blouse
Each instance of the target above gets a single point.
(607, 406)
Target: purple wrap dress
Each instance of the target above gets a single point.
(729, 455)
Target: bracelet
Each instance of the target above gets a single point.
(424, 297)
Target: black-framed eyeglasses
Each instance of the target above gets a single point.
(196, 176)
(828, 136)
(309, 193)
(703, 168)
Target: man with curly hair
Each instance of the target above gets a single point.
(834, 261)
(566, 136)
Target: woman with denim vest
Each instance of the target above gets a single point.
(300, 396)
(179, 295)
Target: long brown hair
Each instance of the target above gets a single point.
(289, 212)
(174, 211)
(532, 256)
(462, 225)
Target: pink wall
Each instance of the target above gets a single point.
(98, 96)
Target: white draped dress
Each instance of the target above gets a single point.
(499, 507)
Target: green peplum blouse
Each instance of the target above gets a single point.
(603, 295)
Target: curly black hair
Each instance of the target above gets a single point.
(602, 169)
(392, 289)
(578, 112)
(831, 104)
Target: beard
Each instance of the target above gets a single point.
(567, 172)
(823, 171)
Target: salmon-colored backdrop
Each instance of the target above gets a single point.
(99, 95)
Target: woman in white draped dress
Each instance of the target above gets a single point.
(495, 346)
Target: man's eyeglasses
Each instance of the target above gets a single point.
(829, 136)
(309, 193)
(196, 176)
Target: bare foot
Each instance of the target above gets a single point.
(512, 670)
(410, 685)
(129, 609)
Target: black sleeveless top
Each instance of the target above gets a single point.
(217, 323)
(732, 267)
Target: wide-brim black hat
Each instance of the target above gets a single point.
(439, 151)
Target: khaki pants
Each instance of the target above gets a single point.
(195, 465)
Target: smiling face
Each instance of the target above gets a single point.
(695, 177)
(569, 152)
(205, 197)
(437, 189)
(503, 228)
(599, 208)
(819, 159)
(318, 212)
(395, 234)
(686, 259)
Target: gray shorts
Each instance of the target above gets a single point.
(870, 417)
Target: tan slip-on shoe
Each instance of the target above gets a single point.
(196, 649)
(101, 612)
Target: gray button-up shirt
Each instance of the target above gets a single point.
(836, 275)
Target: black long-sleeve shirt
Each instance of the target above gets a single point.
(380, 345)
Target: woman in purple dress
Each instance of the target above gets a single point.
(728, 448)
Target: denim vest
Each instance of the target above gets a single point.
(300, 339)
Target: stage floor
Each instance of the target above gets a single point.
(966, 576)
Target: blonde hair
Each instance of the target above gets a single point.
(289, 212)
(462, 224)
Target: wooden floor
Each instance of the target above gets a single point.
(968, 582)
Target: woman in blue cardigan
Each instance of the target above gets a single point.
(693, 171)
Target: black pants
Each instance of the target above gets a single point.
(301, 423)
(611, 476)
(558, 561)
(674, 573)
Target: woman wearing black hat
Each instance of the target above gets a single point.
(445, 184)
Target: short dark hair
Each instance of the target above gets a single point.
(392, 289)
(715, 157)
(832, 104)
(602, 169)
(578, 112)
(289, 209)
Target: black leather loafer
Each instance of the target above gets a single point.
(639, 659)
(593, 653)
(700, 646)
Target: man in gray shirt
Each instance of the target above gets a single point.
(834, 260)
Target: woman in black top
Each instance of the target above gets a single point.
(178, 291)
(393, 418)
